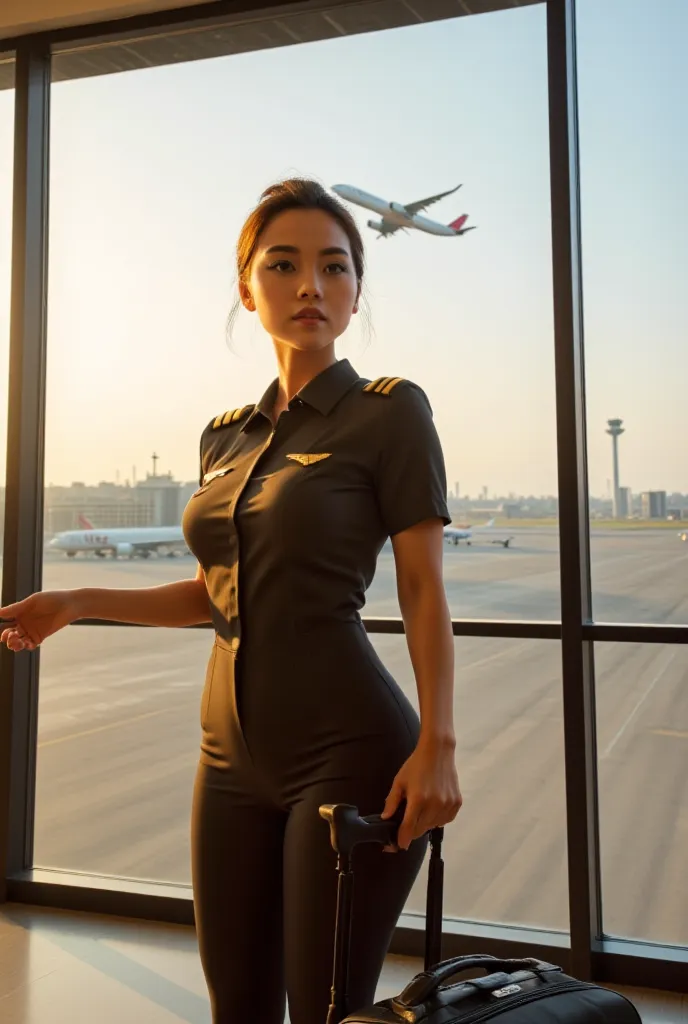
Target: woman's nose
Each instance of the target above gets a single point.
(310, 289)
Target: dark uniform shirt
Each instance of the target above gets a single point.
(288, 521)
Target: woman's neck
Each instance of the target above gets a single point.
(295, 369)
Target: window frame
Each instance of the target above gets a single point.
(585, 952)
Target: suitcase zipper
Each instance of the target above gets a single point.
(494, 1009)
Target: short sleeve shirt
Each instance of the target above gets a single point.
(288, 521)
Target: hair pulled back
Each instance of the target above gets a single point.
(292, 194)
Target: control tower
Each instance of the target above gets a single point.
(615, 429)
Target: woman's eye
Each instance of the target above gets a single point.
(281, 265)
(336, 268)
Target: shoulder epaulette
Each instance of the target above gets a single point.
(383, 385)
(231, 416)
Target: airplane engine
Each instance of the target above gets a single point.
(125, 549)
(376, 225)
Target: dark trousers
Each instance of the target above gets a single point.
(265, 886)
(297, 726)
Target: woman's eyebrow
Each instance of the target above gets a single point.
(333, 250)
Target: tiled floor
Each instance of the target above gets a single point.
(64, 968)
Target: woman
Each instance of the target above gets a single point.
(297, 495)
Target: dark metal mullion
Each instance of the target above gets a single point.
(515, 629)
(580, 748)
(640, 634)
(23, 539)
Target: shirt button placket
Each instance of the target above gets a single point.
(235, 641)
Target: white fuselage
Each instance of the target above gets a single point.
(393, 213)
(141, 538)
(455, 533)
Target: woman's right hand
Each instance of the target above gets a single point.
(36, 618)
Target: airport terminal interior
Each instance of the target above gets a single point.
(517, 172)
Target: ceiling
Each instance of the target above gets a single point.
(20, 17)
(150, 33)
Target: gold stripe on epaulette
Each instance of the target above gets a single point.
(383, 385)
(231, 416)
(375, 384)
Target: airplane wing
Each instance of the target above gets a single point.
(422, 204)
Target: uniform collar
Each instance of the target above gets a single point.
(323, 392)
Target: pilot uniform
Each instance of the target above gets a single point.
(297, 708)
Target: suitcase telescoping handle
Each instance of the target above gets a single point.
(348, 829)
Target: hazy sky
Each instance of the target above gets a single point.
(153, 172)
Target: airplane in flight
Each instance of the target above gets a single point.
(395, 217)
(456, 533)
(131, 541)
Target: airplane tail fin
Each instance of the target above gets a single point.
(459, 222)
(84, 522)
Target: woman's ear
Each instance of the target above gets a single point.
(246, 297)
(358, 299)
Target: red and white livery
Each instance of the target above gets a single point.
(395, 217)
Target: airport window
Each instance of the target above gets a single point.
(141, 273)
(501, 865)
(117, 750)
(152, 173)
(6, 160)
(642, 724)
(634, 161)
(151, 179)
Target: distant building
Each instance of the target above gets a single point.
(625, 503)
(513, 510)
(161, 493)
(104, 506)
(155, 501)
(654, 505)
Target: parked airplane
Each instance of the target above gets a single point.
(132, 541)
(456, 533)
(396, 217)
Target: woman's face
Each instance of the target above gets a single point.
(302, 280)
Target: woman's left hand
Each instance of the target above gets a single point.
(429, 783)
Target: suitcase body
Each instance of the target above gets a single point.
(524, 991)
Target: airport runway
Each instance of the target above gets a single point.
(119, 730)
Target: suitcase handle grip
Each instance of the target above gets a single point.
(426, 984)
(348, 828)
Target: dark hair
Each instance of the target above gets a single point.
(292, 194)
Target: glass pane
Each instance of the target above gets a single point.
(117, 749)
(117, 746)
(152, 176)
(642, 721)
(468, 318)
(505, 855)
(6, 172)
(634, 163)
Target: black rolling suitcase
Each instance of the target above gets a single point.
(524, 991)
